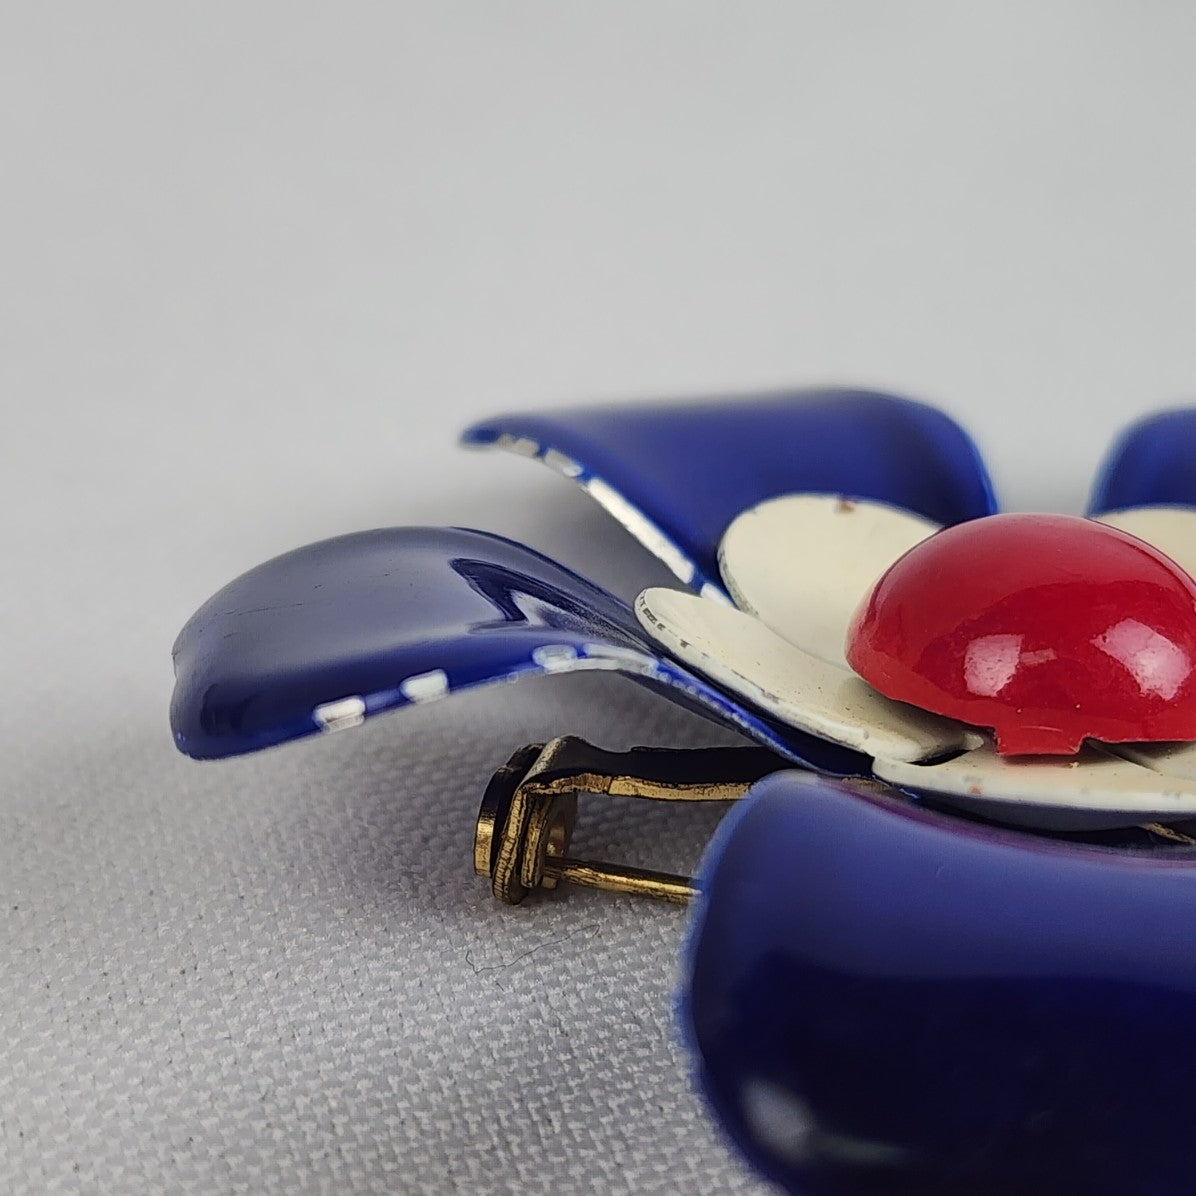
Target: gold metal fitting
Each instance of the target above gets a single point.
(530, 808)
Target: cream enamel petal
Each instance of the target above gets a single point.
(1167, 759)
(1092, 791)
(739, 652)
(804, 562)
(1171, 530)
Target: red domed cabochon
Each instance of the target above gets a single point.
(1048, 628)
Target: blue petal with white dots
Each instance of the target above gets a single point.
(324, 637)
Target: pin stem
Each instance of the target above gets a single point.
(639, 882)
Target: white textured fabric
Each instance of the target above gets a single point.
(280, 975)
(259, 263)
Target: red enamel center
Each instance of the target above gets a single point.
(1048, 628)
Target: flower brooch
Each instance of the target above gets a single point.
(889, 988)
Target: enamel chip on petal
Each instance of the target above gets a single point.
(340, 715)
(803, 563)
(739, 652)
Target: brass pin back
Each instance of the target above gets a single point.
(530, 807)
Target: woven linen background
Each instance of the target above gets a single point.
(260, 262)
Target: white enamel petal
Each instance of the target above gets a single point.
(1172, 530)
(1167, 759)
(740, 653)
(1092, 791)
(804, 562)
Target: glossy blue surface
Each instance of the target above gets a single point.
(884, 1001)
(1153, 462)
(690, 468)
(360, 615)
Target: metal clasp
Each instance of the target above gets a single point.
(530, 807)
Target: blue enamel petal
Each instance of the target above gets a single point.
(335, 632)
(676, 474)
(1152, 463)
(885, 1002)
